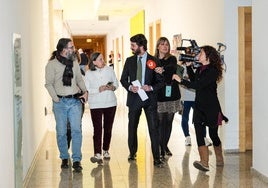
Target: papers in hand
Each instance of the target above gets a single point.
(141, 92)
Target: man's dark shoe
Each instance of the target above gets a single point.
(77, 166)
(168, 152)
(132, 157)
(64, 164)
(158, 163)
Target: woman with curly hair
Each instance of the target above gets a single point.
(207, 110)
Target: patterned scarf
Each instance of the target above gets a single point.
(68, 71)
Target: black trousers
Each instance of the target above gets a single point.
(151, 117)
(165, 121)
(213, 134)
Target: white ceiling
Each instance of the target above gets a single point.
(81, 16)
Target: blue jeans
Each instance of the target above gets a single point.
(68, 108)
(187, 105)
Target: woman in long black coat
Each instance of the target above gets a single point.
(207, 110)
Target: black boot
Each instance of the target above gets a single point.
(64, 164)
(77, 166)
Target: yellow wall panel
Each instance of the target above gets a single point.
(137, 23)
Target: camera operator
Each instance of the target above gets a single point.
(207, 107)
(187, 99)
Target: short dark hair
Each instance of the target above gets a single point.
(92, 58)
(140, 39)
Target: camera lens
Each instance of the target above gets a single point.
(186, 58)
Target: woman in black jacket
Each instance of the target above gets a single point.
(168, 97)
(207, 110)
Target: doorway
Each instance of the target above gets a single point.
(90, 44)
(245, 78)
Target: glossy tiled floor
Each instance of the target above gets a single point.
(119, 173)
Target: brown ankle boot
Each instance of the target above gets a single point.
(219, 157)
(203, 163)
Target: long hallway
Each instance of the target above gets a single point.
(178, 171)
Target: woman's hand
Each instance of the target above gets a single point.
(102, 88)
(159, 70)
(176, 77)
(110, 87)
(189, 64)
(106, 87)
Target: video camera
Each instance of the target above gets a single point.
(190, 53)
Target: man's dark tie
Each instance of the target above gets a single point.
(139, 70)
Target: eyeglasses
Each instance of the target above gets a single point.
(71, 47)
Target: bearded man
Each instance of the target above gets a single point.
(66, 87)
(141, 68)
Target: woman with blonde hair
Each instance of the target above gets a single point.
(168, 97)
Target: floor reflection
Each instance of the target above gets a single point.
(118, 172)
(133, 175)
(70, 178)
(102, 176)
(162, 177)
(186, 180)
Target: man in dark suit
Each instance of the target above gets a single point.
(151, 82)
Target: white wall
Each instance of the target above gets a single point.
(29, 18)
(260, 86)
(190, 18)
(231, 77)
(35, 44)
(124, 31)
(6, 99)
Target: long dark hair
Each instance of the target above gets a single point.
(62, 43)
(215, 60)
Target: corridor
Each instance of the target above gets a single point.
(177, 172)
